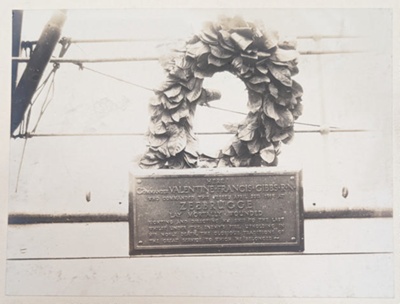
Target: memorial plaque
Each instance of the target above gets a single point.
(215, 211)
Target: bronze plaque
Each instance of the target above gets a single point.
(215, 211)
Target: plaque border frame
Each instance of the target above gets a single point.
(216, 249)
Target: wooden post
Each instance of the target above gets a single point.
(16, 44)
(34, 70)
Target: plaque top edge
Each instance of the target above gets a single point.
(135, 170)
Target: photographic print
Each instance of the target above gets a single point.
(198, 152)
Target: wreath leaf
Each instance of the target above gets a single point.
(273, 90)
(281, 73)
(177, 142)
(282, 55)
(269, 109)
(157, 140)
(254, 145)
(285, 118)
(181, 112)
(241, 41)
(157, 127)
(173, 91)
(197, 49)
(218, 62)
(268, 154)
(259, 79)
(196, 91)
(220, 52)
(255, 102)
(246, 133)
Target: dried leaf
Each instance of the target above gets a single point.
(284, 100)
(273, 90)
(249, 55)
(288, 44)
(239, 147)
(282, 55)
(223, 163)
(251, 120)
(285, 118)
(157, 165)
(173, 91)
(247, 75)
(181, 112)
(166, 84)
(229, 151)
(244, 31)
(155, 100)
(226, 41)
(228, 23)
(269, 109)
(204, 73)
(268, 154)
(255, 101)
(270, 39)
(288, 139)
(176, 162)
(191, 147)
(220, 52)
(150, 158)
(212, 94)
(178, 98)
(207, 39)
(177, 142)
(195, 93)
(197, 49)
(209, 30)
(268, 131)
(298, 111)
(237, 63)
(172, 105)
(166, 118)
(157, 140)
(179, 73)
(240, 161)
(259, 79)
(157, 127)
(259, 87)
(183, 62)
(254, 145)
(241, 41)
(231, 127)
(247, 129)
(280, 137)
(261, 68)
(262, 54)
(202, 62)
(190, 160)
(189, 84)
(246, 133)
(280, 73)
(297, 90)
(163, 149)
(217, 61)
(156, 111)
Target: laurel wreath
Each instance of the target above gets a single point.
(265, 66)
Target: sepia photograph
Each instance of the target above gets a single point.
(180, 154)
